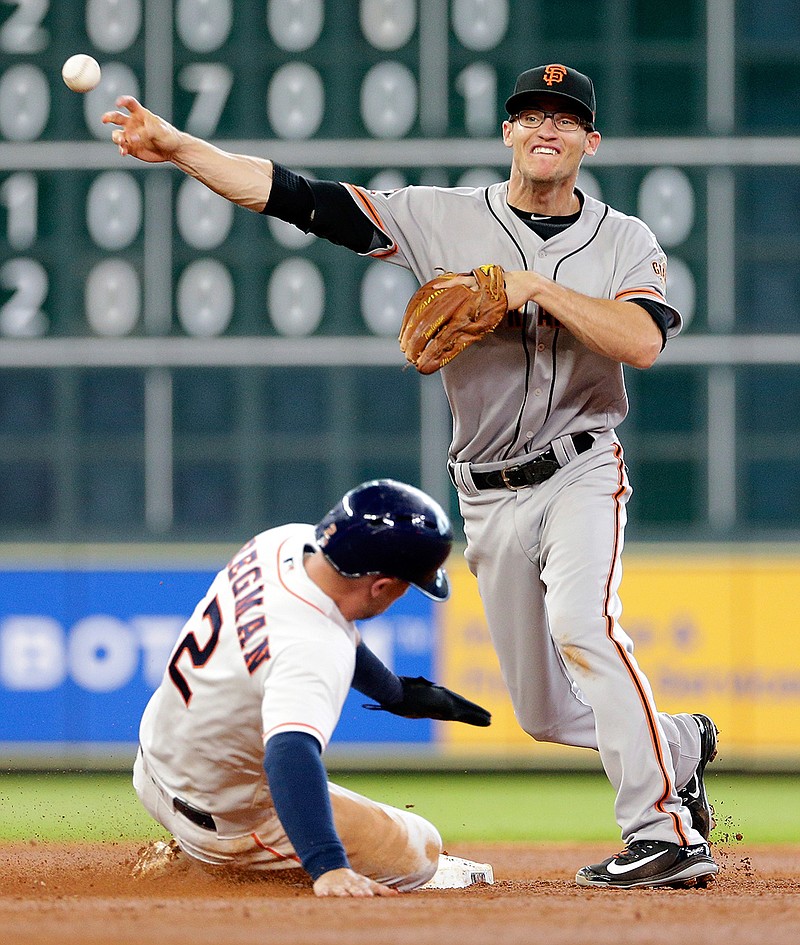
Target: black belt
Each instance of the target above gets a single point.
(199, 817)
(531, 473)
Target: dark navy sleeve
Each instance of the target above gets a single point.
(374, 679)
(299, 787)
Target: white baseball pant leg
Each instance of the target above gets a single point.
(547, 560)
(392, 846)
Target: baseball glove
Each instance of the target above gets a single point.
(440, 322)
(423, 699)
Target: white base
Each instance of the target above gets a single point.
(456, 873)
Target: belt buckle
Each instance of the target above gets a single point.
(510, 485)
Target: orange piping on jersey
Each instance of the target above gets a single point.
(623, 655)
(311, 728)
(368, 208)
(286, 587)
(634, 292)
(278, 856)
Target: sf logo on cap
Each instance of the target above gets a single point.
(554, 74)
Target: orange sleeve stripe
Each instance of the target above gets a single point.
(366, 204)
(643, 291)
(383, 253)
(292, 726)
(369, 208)
(623, 655)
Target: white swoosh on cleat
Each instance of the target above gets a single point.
(618, 870)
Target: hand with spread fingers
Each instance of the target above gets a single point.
(141, 133)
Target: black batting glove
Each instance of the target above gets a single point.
(423, 699)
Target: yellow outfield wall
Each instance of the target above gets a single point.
(715, 629)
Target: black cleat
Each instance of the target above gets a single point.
(652, 863)
(693, 794)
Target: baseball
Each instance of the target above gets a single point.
(81, 73)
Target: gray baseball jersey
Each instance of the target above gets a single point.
(548, 557)
(522, 387)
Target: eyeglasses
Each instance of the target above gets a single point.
(563, 121)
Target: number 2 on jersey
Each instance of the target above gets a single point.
(198, 655)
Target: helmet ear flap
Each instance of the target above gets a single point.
(387, 527)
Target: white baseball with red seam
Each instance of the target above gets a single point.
(81, 73)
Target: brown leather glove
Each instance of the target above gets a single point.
(439, 323)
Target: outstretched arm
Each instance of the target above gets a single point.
(324, 208)
(412, 697)
(142, 134)
(299, 789)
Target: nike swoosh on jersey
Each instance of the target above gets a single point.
(616, 870)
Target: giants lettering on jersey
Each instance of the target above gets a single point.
(544, 319)
(247, 585)
(516, 319)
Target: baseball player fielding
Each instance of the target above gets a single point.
(535, 457)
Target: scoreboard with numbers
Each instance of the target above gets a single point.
(100, 246)
(123, 249)
(97, 248)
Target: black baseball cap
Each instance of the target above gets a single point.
(573, 86)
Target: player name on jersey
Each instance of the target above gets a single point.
(248, 595)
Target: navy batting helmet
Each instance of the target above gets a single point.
(388, 527)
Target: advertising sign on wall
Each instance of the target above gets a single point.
(81, 651)
(715, 630)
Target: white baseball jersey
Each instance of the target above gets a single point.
(528, 382)
(265, 651)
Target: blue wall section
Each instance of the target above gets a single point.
(81, 652)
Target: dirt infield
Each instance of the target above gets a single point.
(65, 894)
